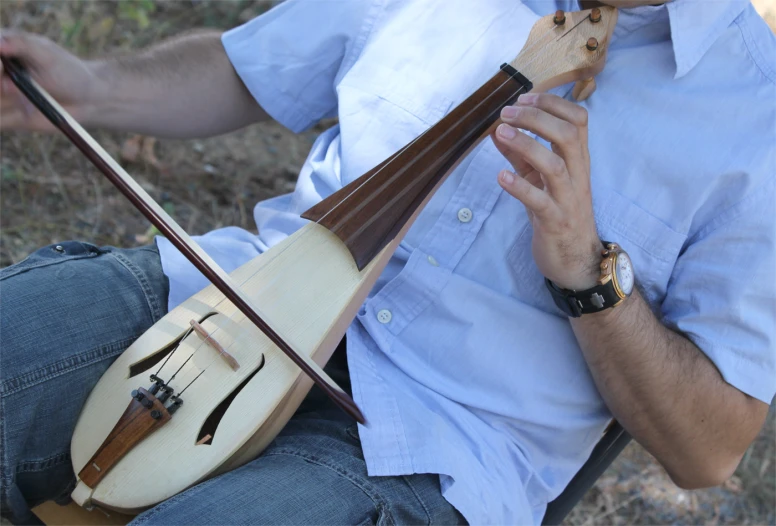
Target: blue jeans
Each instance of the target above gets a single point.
(68, 310)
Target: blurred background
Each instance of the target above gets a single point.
(49, 193)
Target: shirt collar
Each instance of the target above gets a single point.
(696, 25)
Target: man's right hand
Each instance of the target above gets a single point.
(69, 79)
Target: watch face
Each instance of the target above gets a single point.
(624, 270)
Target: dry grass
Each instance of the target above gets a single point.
(50, 193)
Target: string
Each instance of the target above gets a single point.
(395, 157)
(398, 154)
(407, 146)
(424, 133)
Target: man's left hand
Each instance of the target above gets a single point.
(554, 185)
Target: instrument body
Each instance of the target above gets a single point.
(309, 288)
(312, 317)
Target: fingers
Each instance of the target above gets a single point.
(16, 111)
(23, 120)
(15, 43)
(12, 119)
(559, 107)
(37, 53)
(517, 146)
(559, 132)
(11, 42)
(563, 124)
(538, 202)
(8, 89)
(520, 165)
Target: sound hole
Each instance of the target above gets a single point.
(210, 426)
(151, 360)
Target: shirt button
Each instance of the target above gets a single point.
(384, 316)
(465, 215)
(433, 261)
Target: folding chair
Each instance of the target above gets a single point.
(611, 444)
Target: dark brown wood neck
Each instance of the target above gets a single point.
(369, 212)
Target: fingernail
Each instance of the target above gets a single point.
(507, 177)
(509, 112)
(506, 131)
(526, 99)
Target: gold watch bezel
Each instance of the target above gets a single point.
(610, 254)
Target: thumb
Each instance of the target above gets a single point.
(21, 45)
(12, 43)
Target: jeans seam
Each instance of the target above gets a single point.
(42, 464)
(368, 489)
(417, 496)
(42, 264)
(72, 363)
(148, 292)
(4, 466)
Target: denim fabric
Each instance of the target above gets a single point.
(68, 310)
(313, 473)
(65, 313)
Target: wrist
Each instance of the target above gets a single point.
(610, 317)
(90, 107)
(588, 270)
(102, 104)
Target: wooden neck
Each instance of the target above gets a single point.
(369, 212)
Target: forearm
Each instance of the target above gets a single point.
(184, 87)
(668, 394)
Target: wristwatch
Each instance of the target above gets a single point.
(614, 285)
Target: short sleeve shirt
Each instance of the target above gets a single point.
(459, 358)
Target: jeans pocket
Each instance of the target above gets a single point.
(51, 255)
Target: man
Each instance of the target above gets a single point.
(483, 394)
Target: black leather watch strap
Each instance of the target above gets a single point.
(575, 304)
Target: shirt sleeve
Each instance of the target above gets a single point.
(291, 57)
(722, 294)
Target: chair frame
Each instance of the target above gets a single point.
(611, 444)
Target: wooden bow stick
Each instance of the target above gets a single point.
(171, 230)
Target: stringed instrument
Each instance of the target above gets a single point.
(215, 380)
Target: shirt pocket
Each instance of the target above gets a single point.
(381, 112)
(416, 95)
(652, 245)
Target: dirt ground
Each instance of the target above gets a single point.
(50, 193)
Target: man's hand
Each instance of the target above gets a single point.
(69, 79)
(554, 185)
(666, 393)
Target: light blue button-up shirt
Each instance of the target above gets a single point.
(459, 358)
